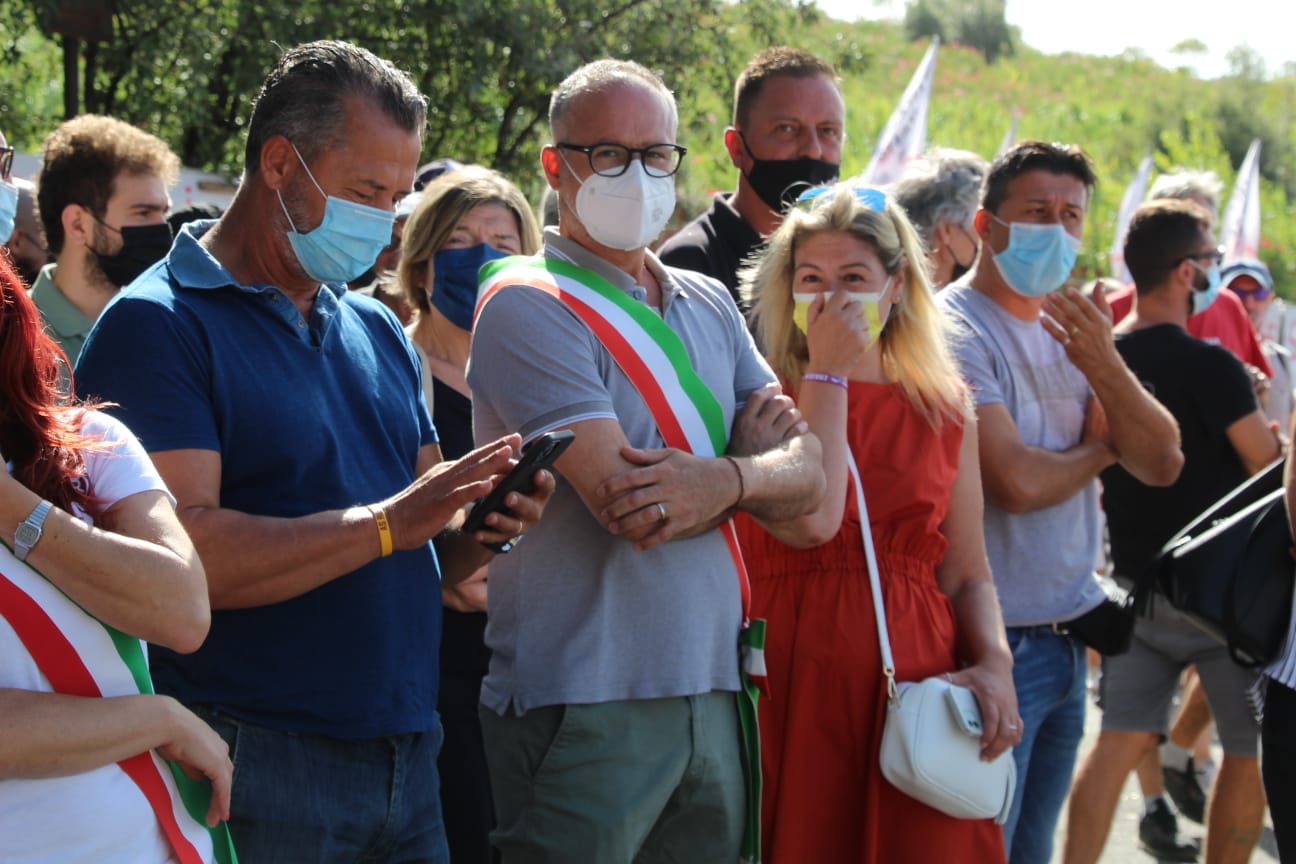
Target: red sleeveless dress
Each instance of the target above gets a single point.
(825, 799)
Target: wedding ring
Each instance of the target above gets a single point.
(661, 508)
(1012, 727)
(1071, 333)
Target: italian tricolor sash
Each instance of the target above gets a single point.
(689, 418)
(82, 656)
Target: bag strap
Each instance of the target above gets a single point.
(879, 609)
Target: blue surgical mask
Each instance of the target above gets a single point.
(8, 210)
(1202, 298)
(1038, 258)
(454, 281)
(346, 243)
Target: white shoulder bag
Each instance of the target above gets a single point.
(931, 743)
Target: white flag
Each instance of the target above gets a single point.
(1129, 203)
(905, 135)
(1240, 234)
(1010, 137)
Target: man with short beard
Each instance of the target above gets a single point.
(101, 194)
(102, 197)
(788, 127)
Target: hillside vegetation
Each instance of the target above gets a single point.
(189, 71)
(1119, 109)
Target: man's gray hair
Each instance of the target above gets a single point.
(599, 75)
(304, 98)
(1203, 186)
(944, 185)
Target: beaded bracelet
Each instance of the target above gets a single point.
(825, 378)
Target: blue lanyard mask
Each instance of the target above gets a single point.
(454, 281)
(1202, 298)
(1038, 258)
(346, 242)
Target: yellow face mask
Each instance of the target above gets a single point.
(870, 301)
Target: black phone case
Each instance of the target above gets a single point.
(540, 453)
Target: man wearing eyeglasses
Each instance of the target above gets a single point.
(102, 197)
(609, 712)
(1171, 254)
(788, 127)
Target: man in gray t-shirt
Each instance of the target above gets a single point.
(609, 711)
(1055, 405)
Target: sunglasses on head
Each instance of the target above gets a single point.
(811, 199)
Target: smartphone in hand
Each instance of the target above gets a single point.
(540, 453)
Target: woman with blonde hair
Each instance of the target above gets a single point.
(846, 314)
(465, 217)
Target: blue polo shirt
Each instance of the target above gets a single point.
(307, 416)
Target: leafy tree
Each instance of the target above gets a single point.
(189, 70)
(981, 24)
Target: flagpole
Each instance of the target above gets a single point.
(905, 135)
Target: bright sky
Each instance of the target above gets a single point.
(1108, 27)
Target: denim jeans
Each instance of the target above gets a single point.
(1049, 674)
(306, 798)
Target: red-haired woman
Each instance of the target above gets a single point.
(90, 551)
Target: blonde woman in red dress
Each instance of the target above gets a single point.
(845, 312)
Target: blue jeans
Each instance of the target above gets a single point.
(1049, 674)
(306, 798)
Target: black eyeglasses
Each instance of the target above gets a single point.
(6, 162)
(612, 160)
(1214, 255)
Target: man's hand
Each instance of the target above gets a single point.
(469, 595)
(1095, 427)
(671, 494)
(1083, 327)
(768, 419)
(1259, 383)
(425, 507)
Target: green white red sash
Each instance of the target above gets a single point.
(689, 418)
(82, 656)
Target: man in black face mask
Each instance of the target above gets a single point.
(102, 198)
(788, 126)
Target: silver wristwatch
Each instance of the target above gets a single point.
(28, 533)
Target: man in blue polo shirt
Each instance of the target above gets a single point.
(286, 416)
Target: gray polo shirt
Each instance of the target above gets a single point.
(576, 614)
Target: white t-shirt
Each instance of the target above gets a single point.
(100, 815)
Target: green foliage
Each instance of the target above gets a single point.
(189, 70)
(981, 24)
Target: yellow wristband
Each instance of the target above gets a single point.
(384, 529)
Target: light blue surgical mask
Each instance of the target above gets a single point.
(1038, 258)
(346, 242)
(8, 210)
(1202, 298)
(454, 281)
